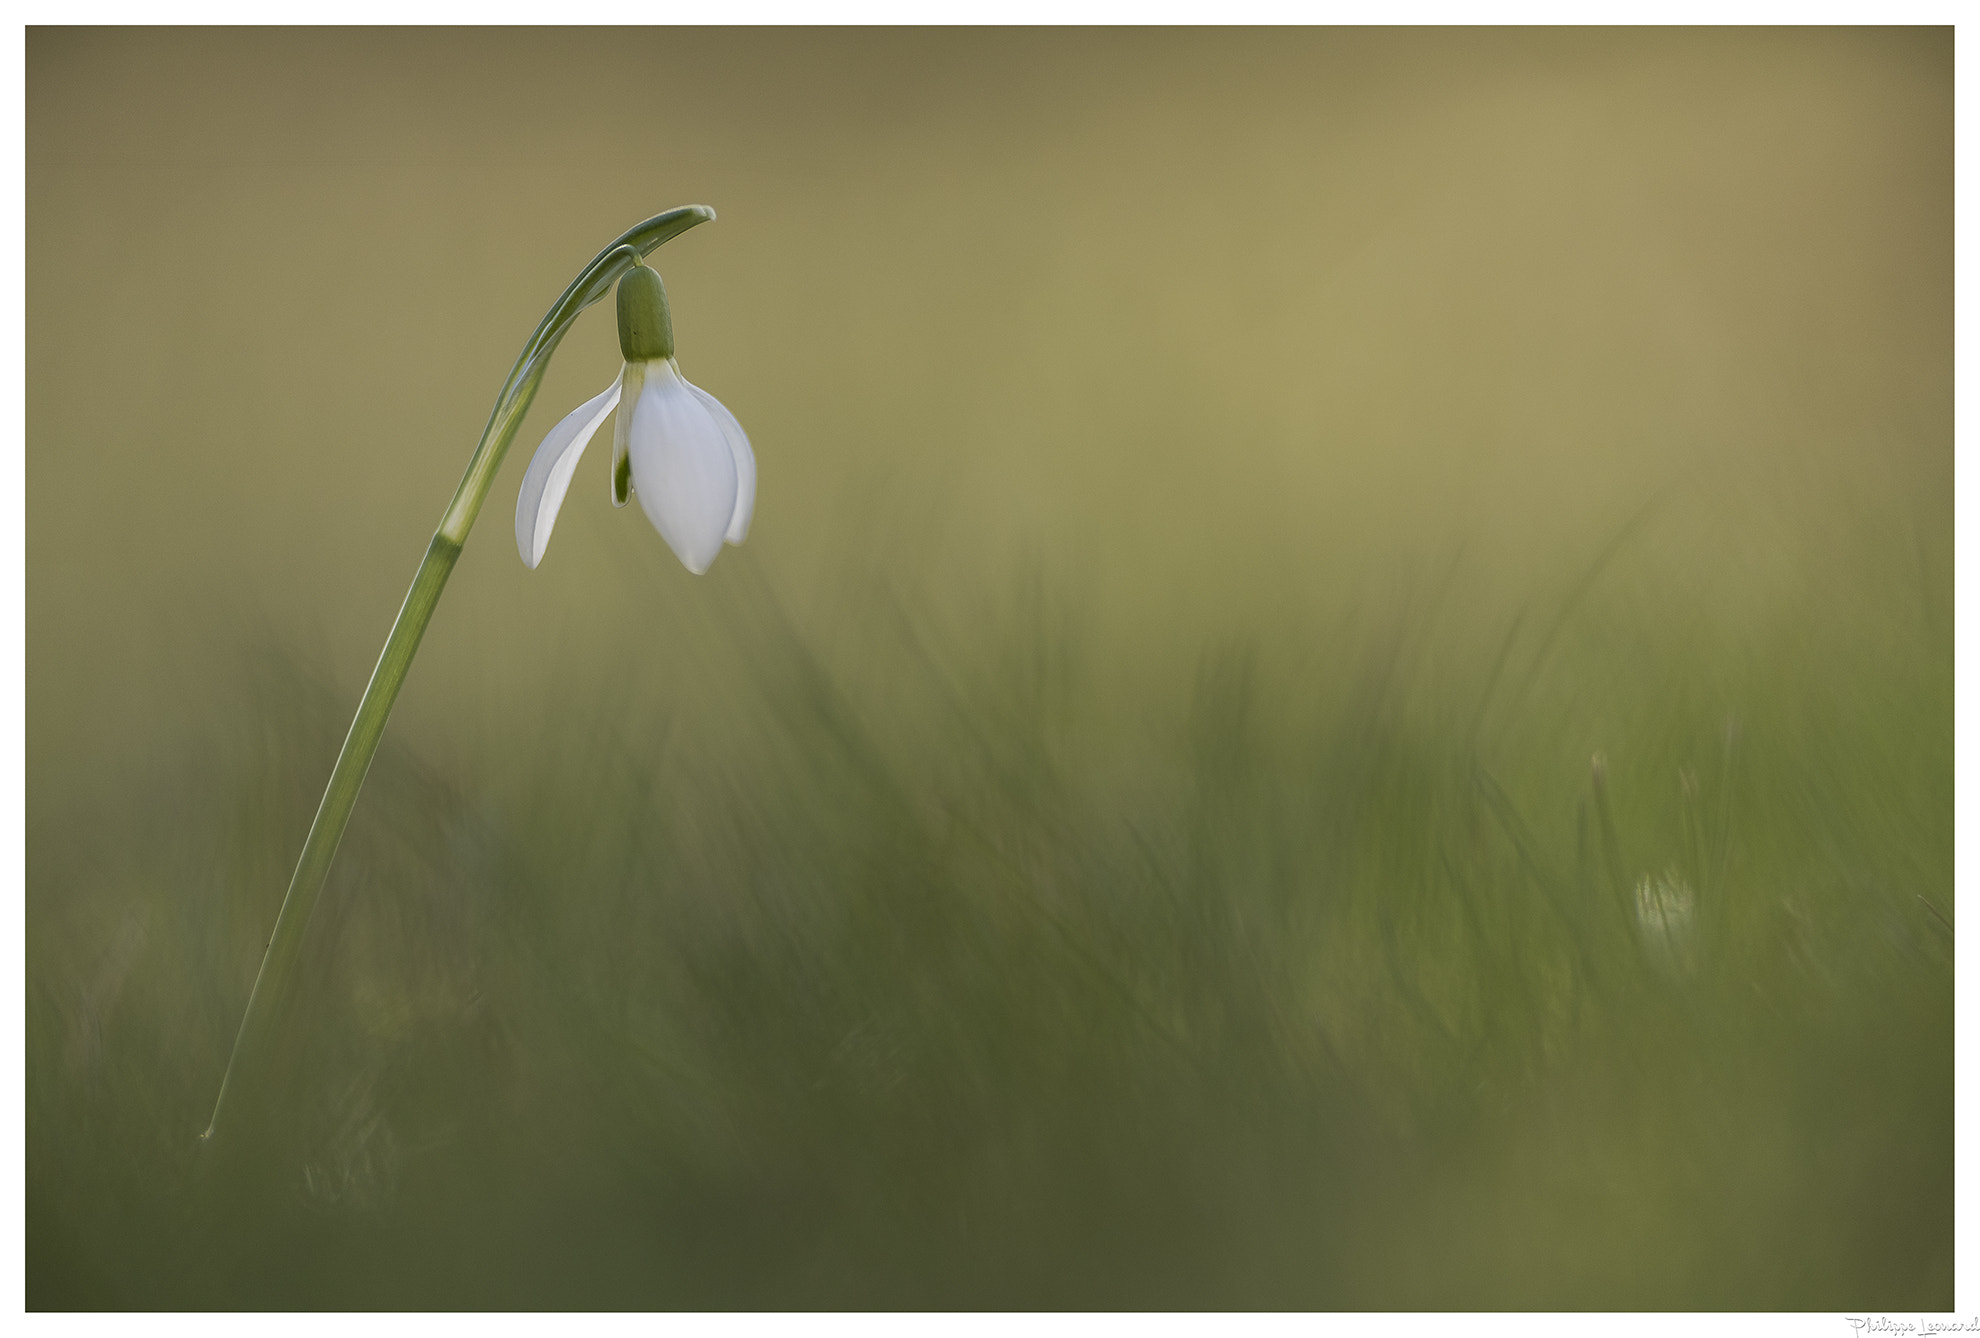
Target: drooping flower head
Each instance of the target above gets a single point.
(673, 444)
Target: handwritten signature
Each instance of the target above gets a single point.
(1915, 1328)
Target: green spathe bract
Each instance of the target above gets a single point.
(272, 982)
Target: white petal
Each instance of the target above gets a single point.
(745, 461)
(550, 470)
(682, 468)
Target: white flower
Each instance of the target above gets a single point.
(674, 445)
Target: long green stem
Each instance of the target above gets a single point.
(274, 981)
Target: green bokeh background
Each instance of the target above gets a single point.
(1122, 831)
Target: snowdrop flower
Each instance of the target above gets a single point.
(696, 478)
(673, 444)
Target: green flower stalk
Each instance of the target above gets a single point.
(681, 450)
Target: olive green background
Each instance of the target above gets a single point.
(1490, 397)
